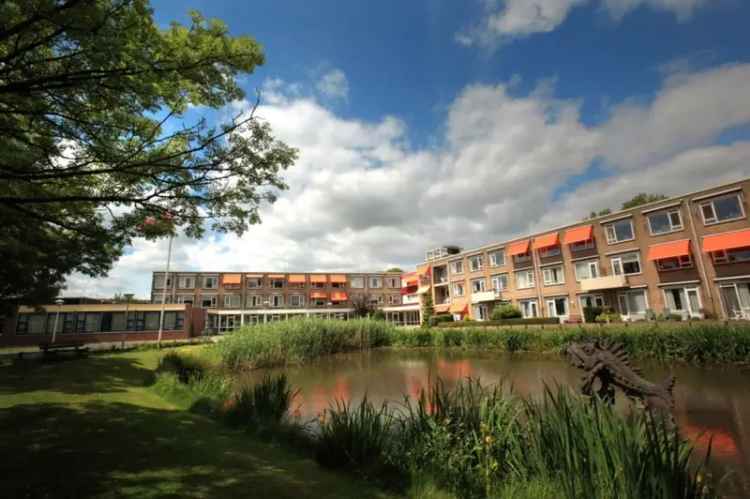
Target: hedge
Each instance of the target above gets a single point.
(504, 322)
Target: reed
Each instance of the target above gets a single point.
(262, 406)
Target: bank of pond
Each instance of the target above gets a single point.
(478, 420)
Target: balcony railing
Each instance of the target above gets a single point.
(483, 296)
(604, 282)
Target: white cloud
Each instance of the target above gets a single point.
(361, 198)
(333, 84)
(509, 19)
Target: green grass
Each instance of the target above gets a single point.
(97, 427)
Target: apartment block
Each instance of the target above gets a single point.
(687, 255)
(237, 298)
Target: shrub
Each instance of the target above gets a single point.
(506, 322)
(506, 311)
(439, 319)
(378, 315)
(262, 406)
(591, 313)
(186, 367)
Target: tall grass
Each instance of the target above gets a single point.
(299, 340)
(189, 382)
(262, 406)
(697, 342)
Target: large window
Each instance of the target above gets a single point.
(186, 282)
(277, 300)
(376, 282)
(529, 308)
(633, 303)
(553, 275)
(557, 307)
(497, 258)
(457, 267)
(587, 270)
(232, 301)
(254, 282)
(619, 231)
(664, 222)
(255, 301)
(582, 246)
(357, 282)
(211, 282)
(458, 289)
(626, 264)
(722, 209)
(277, 283)
(550, 251)
(96, 322)
(676, 263)
(390, 282)
(731, 256)
(208, 301)
(499, 282)
(159, 281)
(185, 299)
(475, 263)
(522, 259)
(477, 285)
(525, 279)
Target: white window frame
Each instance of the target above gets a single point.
(585, 245)
(213, 298)
(229, 298)
(612, 234)
(525, 305)
(497, 282)
(357, 282)
(625, 311)
(274, 298)
(590, 264)
(300, 299)
(530, 279)
(375, 282)
(715, 219)
(522, 258)
(598, 299)
(456, 267)
(550, 251)
(185, 299)
(497, 258)
(252, 280)
(458, 289)
(215, 279)
(618, 261)
(548, 274)
(688, 307)
(683, 262)
(255, 300)
(183, 281)
(725, 256)
(672, 226)
(553, 302)
(482, 285)
(475, 259)
(744, 310)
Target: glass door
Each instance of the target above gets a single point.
(731, 302)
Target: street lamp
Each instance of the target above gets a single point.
(164, 293)
(59, 302)
(128, 297)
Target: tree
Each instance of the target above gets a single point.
(600, 213)
(395, 269)
(642, 198)
(362, 304)
(427, 310)
(95, 139)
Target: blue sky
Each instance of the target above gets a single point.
(430, 122)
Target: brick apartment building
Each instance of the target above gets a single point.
(687, 255)
(237, 298)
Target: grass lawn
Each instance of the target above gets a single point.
(92, 427)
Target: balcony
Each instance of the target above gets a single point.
(604, 282)
(485, 296)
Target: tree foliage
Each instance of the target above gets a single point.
(637, 200)
(95, 139)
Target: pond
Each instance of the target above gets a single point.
(710, 403)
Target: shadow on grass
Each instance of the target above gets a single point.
(74, 375)
(114, 449)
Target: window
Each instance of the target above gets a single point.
(318, 285)
(500, 282)
(619, 231)
(664, 222)
(357, 282)
(633, 303)
(477, 285)
(186, 282)
(497, 258)
(159, 281)
(391, 282)
(529, 309)
(458, 289)
(185, 299)
(457, 267)
(381, 299)
(32, 324)
(525, 279)
(481, 312)
(549, 251)
(254, 282)
(627, 264)
(475, 263)
(255, 301)
(340, 285)
(376, 282)
(211, 282)
(589, 301)
(683, 262)
(731, 256)
(394, 299)
(553, 275)
(208, 301)
(232, 301)
(277, 283)
(587, 270)
(583, 245)
(722, 209)
(277, 300)
(557, 307)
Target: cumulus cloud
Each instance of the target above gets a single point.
(362, 198)
(509, 19)
(333, 84)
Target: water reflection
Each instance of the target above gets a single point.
(711, 405)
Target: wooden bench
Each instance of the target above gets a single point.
(78, 347)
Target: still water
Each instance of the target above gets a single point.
(710, 403)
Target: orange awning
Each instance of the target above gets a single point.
(317, 279)
(458, 308)
(727, 241)
(546, 241)
(519, 248)
(338, 278)
(410, 279)
(254, 276)
(672, 249)
(578, 235)
(276, 276)
(296, 279)
(231, 278)
(318, 295)
(339, 296)
(441, 309)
